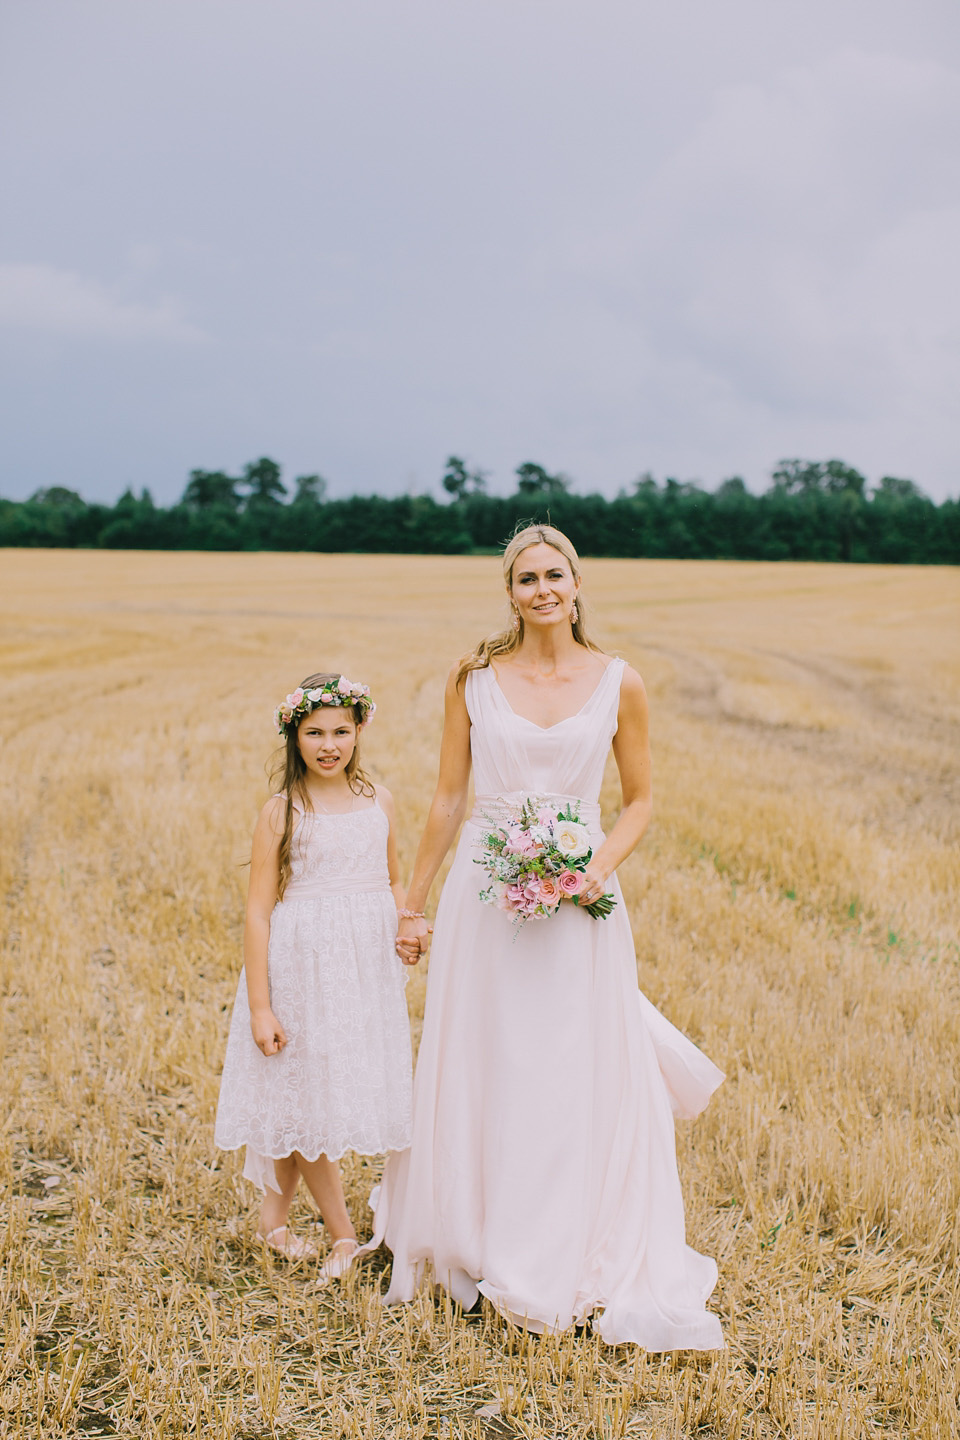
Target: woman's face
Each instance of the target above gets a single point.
(543, 588)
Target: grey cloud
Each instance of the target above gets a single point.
(603, 236)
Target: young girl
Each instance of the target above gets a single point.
(318, 1058)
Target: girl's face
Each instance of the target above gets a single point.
(326, 739)
(543, 588)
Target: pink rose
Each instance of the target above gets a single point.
(503, 897)
(344, 685)
(550, 894)
(326, 698)
(295, 699)
(570, 883)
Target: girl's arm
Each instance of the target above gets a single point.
(631, 750)
(261, 898)
(385, 800)
(445, 818)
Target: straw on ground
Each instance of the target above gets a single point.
(795, 909)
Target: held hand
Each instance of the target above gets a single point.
(412, 939)
(267, 1032)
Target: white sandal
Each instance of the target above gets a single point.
(291, 1247)
(338, 1262)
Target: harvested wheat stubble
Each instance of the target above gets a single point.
(795, 908)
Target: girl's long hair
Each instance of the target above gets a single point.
(506, 642)
(288, 774)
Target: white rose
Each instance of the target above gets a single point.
(572, 840)
(315, 696)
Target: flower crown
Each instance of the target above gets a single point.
(340, 691)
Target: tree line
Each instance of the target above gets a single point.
(811, 510)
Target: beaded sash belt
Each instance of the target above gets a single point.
(495, 809)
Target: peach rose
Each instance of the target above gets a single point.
(550, 892)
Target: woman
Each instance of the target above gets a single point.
(542, 1171)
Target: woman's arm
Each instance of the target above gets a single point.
(261, 898)
(631, 750)
(385, 800)
(446, 814)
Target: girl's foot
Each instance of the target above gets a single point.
(290, 1246)
(338, 1262)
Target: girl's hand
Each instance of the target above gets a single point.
(412, 939)
(267, 1031)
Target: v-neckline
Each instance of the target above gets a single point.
(567, 718)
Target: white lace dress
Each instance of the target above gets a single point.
(343, 1080)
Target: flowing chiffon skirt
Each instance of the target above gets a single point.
(542, 1171)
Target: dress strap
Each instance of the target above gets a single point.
(293, 801)
(608, 691)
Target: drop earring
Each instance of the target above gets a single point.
(574, 613)
(516, 619)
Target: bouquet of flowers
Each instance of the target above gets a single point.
(535, 859)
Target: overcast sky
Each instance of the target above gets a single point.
(609, 236)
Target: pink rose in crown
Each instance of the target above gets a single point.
(570, 883)
(295, 699)
(344, 685)
(550, 893)
(326, 698)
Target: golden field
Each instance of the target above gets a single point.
(796, 911)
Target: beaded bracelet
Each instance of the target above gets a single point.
(411, 915)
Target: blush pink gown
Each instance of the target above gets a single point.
(542, 1170)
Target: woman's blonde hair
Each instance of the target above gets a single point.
(288, 774)
(505, 642)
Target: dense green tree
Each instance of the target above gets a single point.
(645, 484)
(456, 477)
(534, 480)
(831, 477)
(890, 488)
(813, 510)
(459, 482)
(262, 479)
(309, 490)
(58, 497)
(209, 489)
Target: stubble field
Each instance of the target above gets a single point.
(795, 907)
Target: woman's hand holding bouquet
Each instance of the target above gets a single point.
(539, 857)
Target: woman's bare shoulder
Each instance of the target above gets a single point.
(632, 688)
(458, 673)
